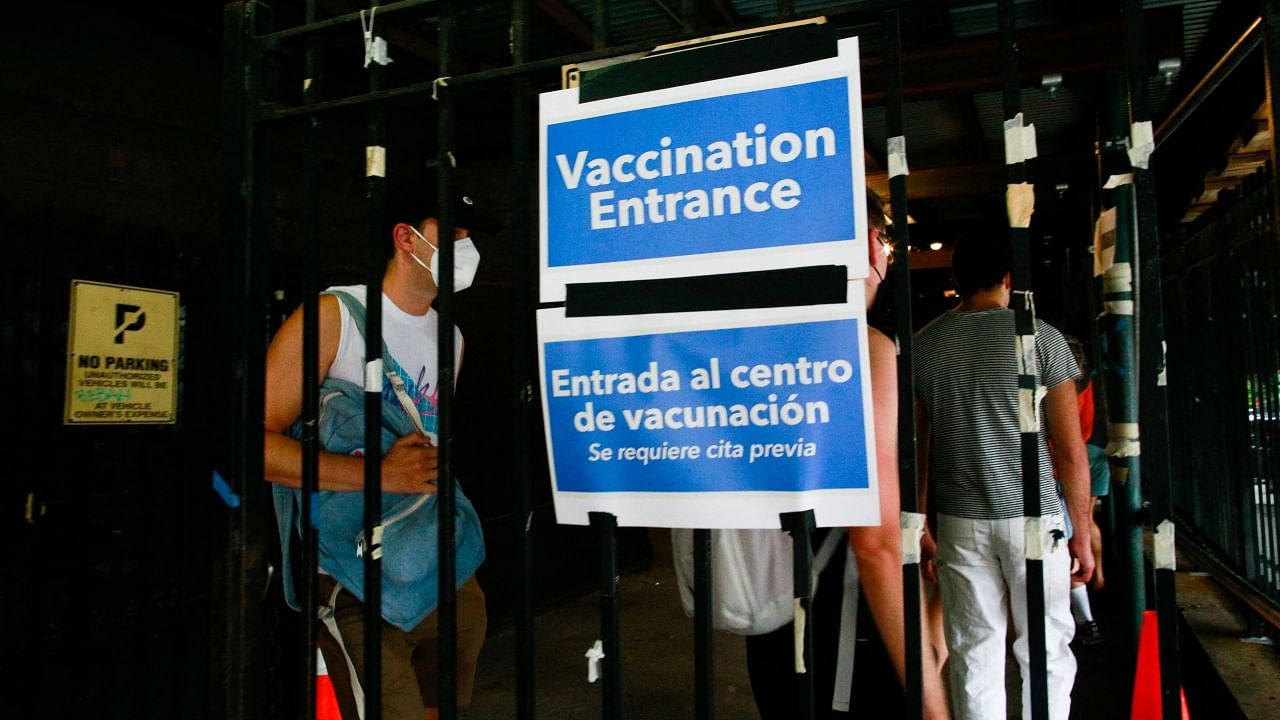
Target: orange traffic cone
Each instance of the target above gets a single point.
(326, 698)
(1146, 683)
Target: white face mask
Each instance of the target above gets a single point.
(466, 259)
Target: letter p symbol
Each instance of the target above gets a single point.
(133, 316)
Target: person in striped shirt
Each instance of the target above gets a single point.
(967, 389)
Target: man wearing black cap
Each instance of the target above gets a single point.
(408, 377)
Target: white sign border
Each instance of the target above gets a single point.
(563, 106)
(715, 509)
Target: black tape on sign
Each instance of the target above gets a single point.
(726, 58)
(814, 285)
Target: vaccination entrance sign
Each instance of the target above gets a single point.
(713, 419)
(754, 172)
(122, 352)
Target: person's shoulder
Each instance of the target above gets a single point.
(878, 342)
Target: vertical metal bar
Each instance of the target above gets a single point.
(1024, 320)
(908, 484)
(446, 500)
(310, 371)
(703, 639)
(1122, 363)
(240, 658)
(600, 25)
(800, 525)
(375, 197)
(606, 526)
(1271, 41)
(1153, 389)
(522, 341)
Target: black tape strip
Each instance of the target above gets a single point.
(813, 285)
(685, 66)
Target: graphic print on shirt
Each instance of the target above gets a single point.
(420, 392)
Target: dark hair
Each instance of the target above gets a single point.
(980, 263)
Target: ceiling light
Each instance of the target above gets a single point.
(935, 245)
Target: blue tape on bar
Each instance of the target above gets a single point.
(315, 510)
(224, 490)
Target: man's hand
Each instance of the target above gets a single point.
(1082, 551)
(411, 466)
(928, 555)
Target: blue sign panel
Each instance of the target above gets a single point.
(758, 169)
(771, 408)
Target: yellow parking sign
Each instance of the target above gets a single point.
(122, 355)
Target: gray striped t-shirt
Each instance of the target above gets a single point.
(966, 375)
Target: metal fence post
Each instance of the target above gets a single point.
(1122, 365)
(703, 639)
(909, 490)
(1025, 327)
(606, 526)
(522, 340)
(1153, 386)
(239, 663)
(800, 525)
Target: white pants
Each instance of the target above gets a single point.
(983, 577)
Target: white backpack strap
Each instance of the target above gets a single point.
(827, 550)
(848, 636)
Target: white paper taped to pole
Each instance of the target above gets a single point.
(375, 161)
(799, 637)
(1026, 349)
(1165, 548)
(594, 655)
(373, 376)
(1123, 440)
(1029, 409)
(1116, 181)
(1021, 201)
(1034, 536)
(1019, 141)
(912, 531)
(1119, 307)
(898, 156)
(1118, 278)
(1142, 142)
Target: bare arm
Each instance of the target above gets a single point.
(408, 467)
(1062, 413)
(879, 548)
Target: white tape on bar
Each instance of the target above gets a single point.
(1116, 181)
(1123, 440)
(1029, 408)
(912, 531)
(306, 84)
(1021, 201)
(373, 376)
(1165, 548)
(594, 655)
(1033, 537)
(1026, 348)
(1118, 278)
(377, 542)
(375, 161)
(1118, 307)
(898, 156)
(1142, 142)
(375, 48)
(799, 637)
(1162, 379)
(1019, 141)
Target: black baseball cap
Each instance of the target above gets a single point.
(413, 200)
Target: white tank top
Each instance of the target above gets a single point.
(411, 340)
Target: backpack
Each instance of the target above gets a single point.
(410, 523)
(751, 576)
